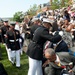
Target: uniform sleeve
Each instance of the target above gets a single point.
(18, 33)
(31, 33)
(56, 38)
(7, 40)
(1, 38)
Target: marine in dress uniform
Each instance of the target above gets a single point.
(0, 46)
(35, 25)
(35, 48)
(3, 30)
(12, 42)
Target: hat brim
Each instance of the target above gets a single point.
(46, 20)
(12, 23)
(35, 19)
(48, 23)
(5, 21)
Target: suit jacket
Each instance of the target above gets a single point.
(65, 59)
(53, 69)
(61, 47)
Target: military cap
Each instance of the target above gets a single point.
(12, 23)
(35, 19)
(47, 20)
(5, 20)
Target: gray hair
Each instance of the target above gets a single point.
(50, 51)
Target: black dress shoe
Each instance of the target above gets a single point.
(18, 67)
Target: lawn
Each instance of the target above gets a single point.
(12, 70)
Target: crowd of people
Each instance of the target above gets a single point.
(48, 37)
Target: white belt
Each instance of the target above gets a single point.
(13, 40)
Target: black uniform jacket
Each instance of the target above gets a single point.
(12, 39)
(4, 29)
(41, 35)
(32, 29)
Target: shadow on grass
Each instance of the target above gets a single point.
(12, 70)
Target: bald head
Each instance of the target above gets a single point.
(50, 51)
(50, 54)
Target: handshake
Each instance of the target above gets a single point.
(58, 33)
(61, 33)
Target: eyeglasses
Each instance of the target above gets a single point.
(51, 58)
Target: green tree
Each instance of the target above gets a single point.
(17, 16)
(32, 10)
(55, 4)
(65, 3)
(59, 3)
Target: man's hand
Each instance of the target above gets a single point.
(46, 63)
(61, 33)
(70, 71)
(28, 32)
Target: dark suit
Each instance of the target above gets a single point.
(41, 35)
(65, 59)
(61, 47)
(0, 45)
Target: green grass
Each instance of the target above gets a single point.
(12, 70)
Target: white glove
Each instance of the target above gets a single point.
(72, 36)
(20, 40)
(61, 33)
(9, 49)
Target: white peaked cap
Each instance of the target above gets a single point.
(47, 20)
(35, 19)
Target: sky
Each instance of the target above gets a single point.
(9, 7)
